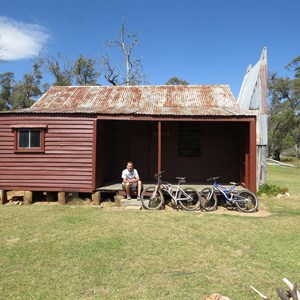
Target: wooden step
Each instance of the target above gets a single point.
(132, 202)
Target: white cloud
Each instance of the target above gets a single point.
(19, 40)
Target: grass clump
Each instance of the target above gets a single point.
(271, 190)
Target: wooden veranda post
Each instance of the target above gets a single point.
(252, 156)
(159, 146)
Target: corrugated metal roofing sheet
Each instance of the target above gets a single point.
(253, 96)
(185, 100)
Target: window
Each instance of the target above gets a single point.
(29, 138)
(189, 140)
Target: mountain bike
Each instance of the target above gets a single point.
(243, 200)
(187, 198)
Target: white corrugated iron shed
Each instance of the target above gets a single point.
(253, 96)
(184, 100)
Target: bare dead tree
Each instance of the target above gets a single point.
(111, 73)
(133, 74)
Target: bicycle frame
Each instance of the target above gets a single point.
(168, 187)
(225, 191)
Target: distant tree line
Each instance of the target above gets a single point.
(284, 111)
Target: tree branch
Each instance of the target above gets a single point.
(259, 293)
(111, 73)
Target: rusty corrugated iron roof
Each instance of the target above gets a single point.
(184, 100)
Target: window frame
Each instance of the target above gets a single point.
(17, 128)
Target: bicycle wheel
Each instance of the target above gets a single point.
(246, 201)
(190, 201)
(208, 199)
(152, 200)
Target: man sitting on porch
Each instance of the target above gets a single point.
(131, 181)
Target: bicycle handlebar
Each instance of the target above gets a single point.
(218, 177)
(214, 178)
(158, 175)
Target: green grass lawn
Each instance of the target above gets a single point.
(286, 176)
(84, 252)
(77, 252)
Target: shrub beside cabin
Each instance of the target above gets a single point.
(77, 139)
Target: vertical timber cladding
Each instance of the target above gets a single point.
(216, 153)
(66, 164)
(123, 141)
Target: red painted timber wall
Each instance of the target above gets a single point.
(220, 153)
(66, 164)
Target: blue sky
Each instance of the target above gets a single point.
(203, 42)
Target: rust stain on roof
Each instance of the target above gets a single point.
(185, 100)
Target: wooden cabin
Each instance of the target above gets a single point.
(78, 139)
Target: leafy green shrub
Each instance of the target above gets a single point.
(271, 189)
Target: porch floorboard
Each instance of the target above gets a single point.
(116, 187)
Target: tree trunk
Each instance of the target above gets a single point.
(276, 154)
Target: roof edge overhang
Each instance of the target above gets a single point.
(135, 117)
(177, 118)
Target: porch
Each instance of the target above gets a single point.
(196, 149)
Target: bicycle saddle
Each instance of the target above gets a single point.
(181, 178)
(214, 178)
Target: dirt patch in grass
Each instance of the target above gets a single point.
(45, 203)
(262, 211)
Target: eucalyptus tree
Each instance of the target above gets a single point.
(284, 118)
(27, 90)
(7, 85)
(85, 71)
(62, 70)
(176, 81)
